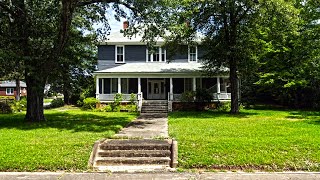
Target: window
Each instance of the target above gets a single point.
(188, 84)
(120, 54)
(193, 53)
(9, 91)
(114, 85)
(124, 85)
(159, 55)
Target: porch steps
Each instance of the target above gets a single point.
(132, 154)
(154, 106)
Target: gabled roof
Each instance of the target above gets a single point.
(154, 67)
(12, 84)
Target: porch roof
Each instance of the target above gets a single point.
(154, 67)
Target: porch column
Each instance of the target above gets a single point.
(119, 85)
(218, 85)
(97, 87)
(194, 84)
(171, 89)
(139, 85)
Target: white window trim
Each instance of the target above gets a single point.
(9, 93)
(160, 55)
(116, 54)
(189, 60)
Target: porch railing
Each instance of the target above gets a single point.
(216, 96)
(110, 97)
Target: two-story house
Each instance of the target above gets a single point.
(125, 65)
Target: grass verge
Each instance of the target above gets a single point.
(63, 142)
(267, 140)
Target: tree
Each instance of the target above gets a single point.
(289, 65)
(36, 32)
(224, 24)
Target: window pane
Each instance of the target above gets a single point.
(124, 86)
(114, 86)
(120, 58)
(163, 55)
(188, 84)
(100, 86)
(119, 50)
(120, 54)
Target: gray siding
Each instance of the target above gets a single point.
(182, 55)
(135, 53)
(106, 53)
(201, 52)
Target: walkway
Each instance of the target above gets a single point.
(146, 126)
(160, 176)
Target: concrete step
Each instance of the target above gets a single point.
(153, 115)
(134, 153)
(107, 161)
(143, 144)
(154, 110)
(154, 106)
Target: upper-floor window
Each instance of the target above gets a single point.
(9, 91)
(193, 54)
(158, 55)
(120, 54)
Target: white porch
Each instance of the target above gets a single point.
(155, 88)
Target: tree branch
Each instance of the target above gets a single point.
(88, 2)
(6, 8)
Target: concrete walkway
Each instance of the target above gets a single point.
(146, 126)
(160, 176)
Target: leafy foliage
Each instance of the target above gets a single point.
(115, 105)
(90, 103)
(56, 103)
(5, 108)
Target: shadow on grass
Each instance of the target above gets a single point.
(88, 122)
(310, 117)
(209, 114)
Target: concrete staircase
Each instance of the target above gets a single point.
(133, 155)
(154, 106)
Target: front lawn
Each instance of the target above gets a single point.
(267, 140)
(63, 142)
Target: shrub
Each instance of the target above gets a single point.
(128, 108)
(133, 99)
(115, 105)
(203, 95)
(5, 108)
(224, 106)
(18, 106)
(90, 103)
(57, 103)
(188, 96)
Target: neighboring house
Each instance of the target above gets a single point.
(126, 66)
(8, 88)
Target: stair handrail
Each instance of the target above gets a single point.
(140, 98)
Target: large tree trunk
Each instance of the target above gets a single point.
(66, 96)
(35, 90)
(17, 89)
(234, 88)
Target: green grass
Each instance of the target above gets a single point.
(47, 100)
(63, 142)
(267, 140)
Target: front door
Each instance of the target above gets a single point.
(156, 89)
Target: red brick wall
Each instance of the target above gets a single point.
(3, 92)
